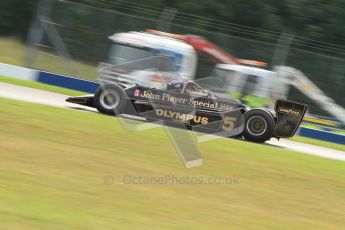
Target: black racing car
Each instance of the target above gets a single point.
(187, 104)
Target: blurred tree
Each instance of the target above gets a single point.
(315, 19)
(15, 16)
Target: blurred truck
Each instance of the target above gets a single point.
(245, 80)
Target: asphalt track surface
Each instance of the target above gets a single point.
(54, 99)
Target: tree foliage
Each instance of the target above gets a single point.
(315, 19)
(15, 16)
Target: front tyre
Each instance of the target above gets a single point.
(110, 99)
(259, 126)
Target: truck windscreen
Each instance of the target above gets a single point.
(121, 53)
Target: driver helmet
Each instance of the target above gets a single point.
(175, 84)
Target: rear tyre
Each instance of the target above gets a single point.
(259, 126)
(110, 99)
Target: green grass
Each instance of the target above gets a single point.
(311, 126)
(53, 162)
(341, 132)
(41, 86)
(13, 52)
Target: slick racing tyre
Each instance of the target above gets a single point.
(110, 99)
(259, 126)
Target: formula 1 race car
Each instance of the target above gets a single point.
(189, 105)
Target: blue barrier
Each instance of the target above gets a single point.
(321, 135)
(67, 82)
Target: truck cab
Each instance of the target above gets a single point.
(135, 46)
(253, 86)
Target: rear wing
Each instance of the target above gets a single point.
(289, 117)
